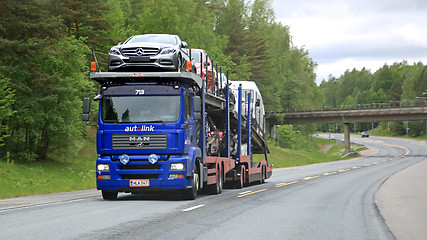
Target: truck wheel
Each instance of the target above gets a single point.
(191, 194)
(217, 187)
(109, 195)
(239, 183)
(262, 175)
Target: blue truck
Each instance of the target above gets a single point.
(156, 132)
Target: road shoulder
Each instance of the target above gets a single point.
(401, 200)
(19, 202)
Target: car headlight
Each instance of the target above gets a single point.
(168, 51)
(177, 166)
(114, 51)
(103, 167)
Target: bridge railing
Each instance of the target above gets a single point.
(392, 106)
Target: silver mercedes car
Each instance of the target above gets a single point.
(149, 52)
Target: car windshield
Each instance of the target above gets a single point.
(195, 55)
(140, 109)
(166, 39)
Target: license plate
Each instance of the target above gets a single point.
(139, 59)
(139, 183)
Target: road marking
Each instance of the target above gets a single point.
(407, 150)
(245, 192)
(285, 184)
(192, 208)
(357, 167)
(329, 173)
(243, 195)
(344, 170)
(308, 178)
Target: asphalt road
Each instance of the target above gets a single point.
(321, 201)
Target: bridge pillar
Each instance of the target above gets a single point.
(347, 137)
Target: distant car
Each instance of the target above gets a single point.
(149, 52)
(365, 134)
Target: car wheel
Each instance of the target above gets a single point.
(179, 67)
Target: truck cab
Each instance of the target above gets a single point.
(147, 136)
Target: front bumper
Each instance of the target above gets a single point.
(166, 62)
(138, 168)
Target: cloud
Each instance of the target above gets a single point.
(341, 35)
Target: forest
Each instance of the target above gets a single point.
(47, 44)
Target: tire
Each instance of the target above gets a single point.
(191, 194)
(179, 67)
(240, 183)
(262, 175)
(217, 187)
(109, 195)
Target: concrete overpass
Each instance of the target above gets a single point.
(347, 115)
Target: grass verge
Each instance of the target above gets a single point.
(77, 171)
(284, 157)
(65, 173)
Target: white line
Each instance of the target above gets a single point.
(192, 208)
(244, 192)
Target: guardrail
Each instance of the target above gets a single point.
(393, 111)
(392, 106)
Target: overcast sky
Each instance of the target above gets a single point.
(347, 34)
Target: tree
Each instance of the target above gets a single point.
(85, 19)
(7, 98)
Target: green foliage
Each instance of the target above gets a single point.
(7, 98)
(398, 82)
(286, 136)
(46, 46)
(68, 172)
(317, 152)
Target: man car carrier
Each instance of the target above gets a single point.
(154, 129)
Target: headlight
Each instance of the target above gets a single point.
(103, 167)
(168, 51)
(177, 166)
(114, 52)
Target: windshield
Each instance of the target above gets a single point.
(140, 109)
(167, 39)
(196, 56)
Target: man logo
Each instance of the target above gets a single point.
(124, 159)
(139, 139)
(153, 158)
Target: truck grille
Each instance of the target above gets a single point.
(129, 52)
(145, 141)
(140, 176)
(140, 167)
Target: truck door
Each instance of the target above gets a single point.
(190, 132)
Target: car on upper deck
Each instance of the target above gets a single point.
(205, 70)
(149, 52)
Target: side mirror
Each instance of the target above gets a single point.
(184, 44)
(85, 117)
(86, 105)
(86, 109)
